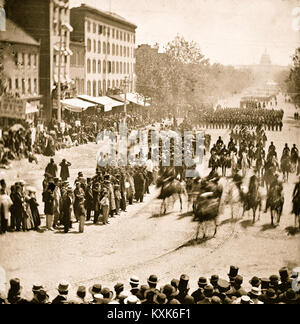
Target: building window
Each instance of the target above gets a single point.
(113, 48)
(104, 87)
(34, 60)
(35, 86)
(104, 67)
(124, 68)
(117, 67)
(29, 86)
(121, 65)
(104, 48)
(113, 67)
(88, 27)
(95, 47)
(88, 66)
(121, 50)
(94, 89)
(117, 50)
(100, 30)
(94, 28)
(54, 60)
(89, 45)
(117, 83)
(128, 72)
(99, 88)
(113, 84)
(99, 66)
(82, 85)
(109, 66)
(113, 33)
(23, 86)
(117, 34)
(104, 30)
(23, 59)
(89, 88)
(121, 35)
(9, 84)
(108, 84)
(108, 31)
(94, 66)
(108, 48)
(17, 84)
(99, 47)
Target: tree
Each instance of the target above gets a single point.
(293, 81)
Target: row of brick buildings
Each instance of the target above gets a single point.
(86, 50)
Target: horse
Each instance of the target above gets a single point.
(206, 206)
(285, 165)
(173, 188)
(234, 163)
(252, 199)
(275, 201)
(271, 166)
(225, 162)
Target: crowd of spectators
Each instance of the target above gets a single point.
(275, 289)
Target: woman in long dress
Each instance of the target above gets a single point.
(34, 210)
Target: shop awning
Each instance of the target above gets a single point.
(76, 104)
(136, 99)
(107, 102)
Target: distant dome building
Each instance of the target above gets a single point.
(265, 59)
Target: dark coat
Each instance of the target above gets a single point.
(48, 199)
(51, 168)
(64, 171)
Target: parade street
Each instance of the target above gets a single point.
(141, 241)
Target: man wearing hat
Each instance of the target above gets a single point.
(170, 292)
(265, 284)
(255, 282)
(14, 292)
(199, 293)
(78, 200)
(237, 289)
(89, 200)
(269, 297)
(51, 168)
(95, 290)
(107, 295)
(233, 272)
(35, 290)
(57, 199)
(132, 300)
(64, 171)
(42, 297)
(48, 198)
(223, 289)
(254, 294)
(62, 297)
(208, 294)
(289, 297)
(66, 203)
(152, 281)
(118, 288)
(183, 287)
(160, 299)
(134, 282)
(141, 294)
(274, 283)
(214, 282)
(285, 281)
(81, 294)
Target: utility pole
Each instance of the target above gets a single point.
(58, 77)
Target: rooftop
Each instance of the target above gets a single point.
(106, 14)
(15, 34)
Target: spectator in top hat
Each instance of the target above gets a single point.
(223, 288)
(265, 284)
(51, 168)
(62, 297)
(199, 293)
(233, 272)
(14, 292)
(255, 282)
(269, 297)
(183, 287)
(48, 198)
(95, 289)
(285, 282)
(274, 283)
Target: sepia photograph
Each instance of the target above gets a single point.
(149, 154)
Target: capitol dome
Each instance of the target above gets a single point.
(265, 59)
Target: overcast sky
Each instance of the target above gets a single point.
(228, 31)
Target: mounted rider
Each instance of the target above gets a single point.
(286, 150)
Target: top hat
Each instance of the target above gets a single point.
(274, 280)
(208, 290)
(233, 272)
(160, 299)
(183, 282)
(284, 273)
(134, 280)
(214, 279)
(152, 279)
(175, 283)
(15, 284)
(96, 289)
(81, 290)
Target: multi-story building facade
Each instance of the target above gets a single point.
(110, 44)
(48, 22)
(77, 66)
(19, 55)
